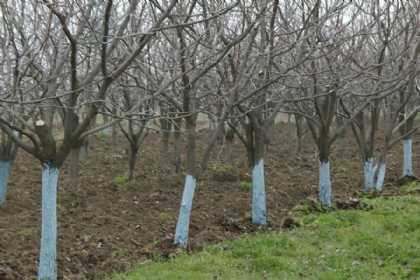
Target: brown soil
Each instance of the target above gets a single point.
(105, 227)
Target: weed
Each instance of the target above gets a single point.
(120, 180)
(163, 216)
(245, 186)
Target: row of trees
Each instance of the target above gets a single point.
(332, 64)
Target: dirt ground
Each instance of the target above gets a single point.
(106, 227)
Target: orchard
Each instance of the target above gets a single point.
(136, 129)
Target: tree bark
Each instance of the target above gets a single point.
(183, 224)
(299, 132)
(408, 157)
(47, 269)
(5, 168)
(325, 190)
(259, 207)
(380, 177)
(178, 145)
(132, 161)
(230, 141)
(369, 174)
(182, 228)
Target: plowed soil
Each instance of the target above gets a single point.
(105, 227)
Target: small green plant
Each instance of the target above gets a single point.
(245, 186)
(120, 180)
(163, 216)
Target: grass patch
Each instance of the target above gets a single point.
(383, 243)
(411, 187)
(163, 216)
(245, 186)
(121, 180)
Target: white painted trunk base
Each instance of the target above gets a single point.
(182, 226)
(259, 207)
(325, 190)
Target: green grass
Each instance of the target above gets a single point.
(245, 186)
(121, 180)
(411, 188)
(382, 243)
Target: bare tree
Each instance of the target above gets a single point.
(55, 51)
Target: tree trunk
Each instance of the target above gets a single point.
(325, 184)
(380, 178)
(299, 133)
(250, 149)
(165, 141)
(374, 176)
(177, 146)
(290, 128)
(132, 161)
(212, 124)
(48, 253)
(221, 136)
(182, 226)
(408, 158)
(369, 174)
(219, 113)
(5, 168)
(114, 136)
(259, 208)
(230, 140)
(165, 129)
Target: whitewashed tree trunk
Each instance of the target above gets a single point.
(325, 184)
(408, 158)
(380, 179)
(47, 269)
(259, 208)
(369, 174)
(5, 167)
(48, 253)
(182, 227)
